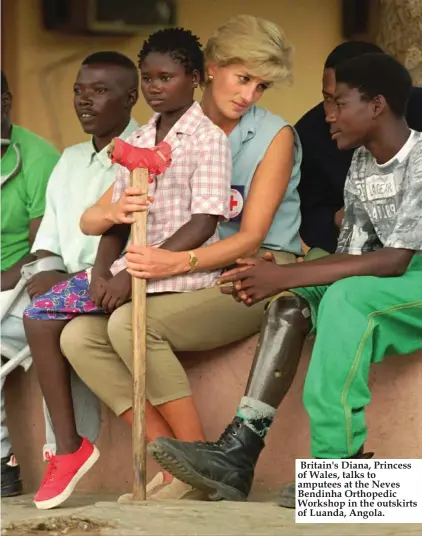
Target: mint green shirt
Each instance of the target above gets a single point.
(23, 196)
(80, 178)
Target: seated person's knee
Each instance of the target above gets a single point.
(120, 321)
(73, 337)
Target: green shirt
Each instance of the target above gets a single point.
(23, 196)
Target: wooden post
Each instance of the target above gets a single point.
(139, 179)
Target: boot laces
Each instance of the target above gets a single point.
(229, 432)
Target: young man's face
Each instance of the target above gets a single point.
(165, 84)
(103, 97)
(351, 119)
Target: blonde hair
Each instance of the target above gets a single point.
(257, 43)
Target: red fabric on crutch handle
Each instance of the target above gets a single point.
(156, 160)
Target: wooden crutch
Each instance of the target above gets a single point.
(139, 179)
(129, 157)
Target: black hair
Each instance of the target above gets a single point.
(349, 50)
(378, 74)
(182, 46)
(4, 84)
(111, 57)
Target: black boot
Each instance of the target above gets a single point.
(287, 498)
(11, 484)
(224, 469)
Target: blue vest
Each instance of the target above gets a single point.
(249, 142)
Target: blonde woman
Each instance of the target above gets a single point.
(243, 59)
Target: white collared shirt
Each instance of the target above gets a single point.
(79, 179)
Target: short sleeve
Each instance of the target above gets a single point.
(37, 177)
(407, 231)
(211, 181)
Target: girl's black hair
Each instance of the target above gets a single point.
(181, 45)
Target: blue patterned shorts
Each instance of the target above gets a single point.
(64, 301)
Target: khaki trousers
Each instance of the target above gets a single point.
(99, 347)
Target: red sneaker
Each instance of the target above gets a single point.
(63, 473)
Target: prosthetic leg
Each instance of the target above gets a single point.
(286, 324)
(225, 469)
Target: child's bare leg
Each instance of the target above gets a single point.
(53, 373)
(182, 416)
(156, 426)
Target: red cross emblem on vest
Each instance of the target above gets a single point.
(236, 203)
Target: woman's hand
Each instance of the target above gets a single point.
(155, 263)
(130, 201)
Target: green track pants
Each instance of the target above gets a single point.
(358, 321)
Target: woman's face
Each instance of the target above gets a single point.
(234, 90)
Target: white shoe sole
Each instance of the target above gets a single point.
(67, 492)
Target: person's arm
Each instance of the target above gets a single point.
(192, 234)
(262, 279)
(105, 213)
(10, 277)
(96, 220)
(99, 218)
(254, 281)
(267, 190)
(111, 246)
(210, 193)
(36, 182)
(108, 291)
(47, 242)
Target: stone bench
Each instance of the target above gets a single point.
(218, 379)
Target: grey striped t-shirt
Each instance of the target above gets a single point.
(383, 203)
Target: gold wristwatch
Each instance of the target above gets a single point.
(193, 261)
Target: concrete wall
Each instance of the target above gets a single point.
(41, 66)
(218, 381)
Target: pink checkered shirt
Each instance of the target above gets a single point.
(197, 182)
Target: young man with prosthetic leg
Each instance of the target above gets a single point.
(374, 279)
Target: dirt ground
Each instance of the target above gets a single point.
(102, 516)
